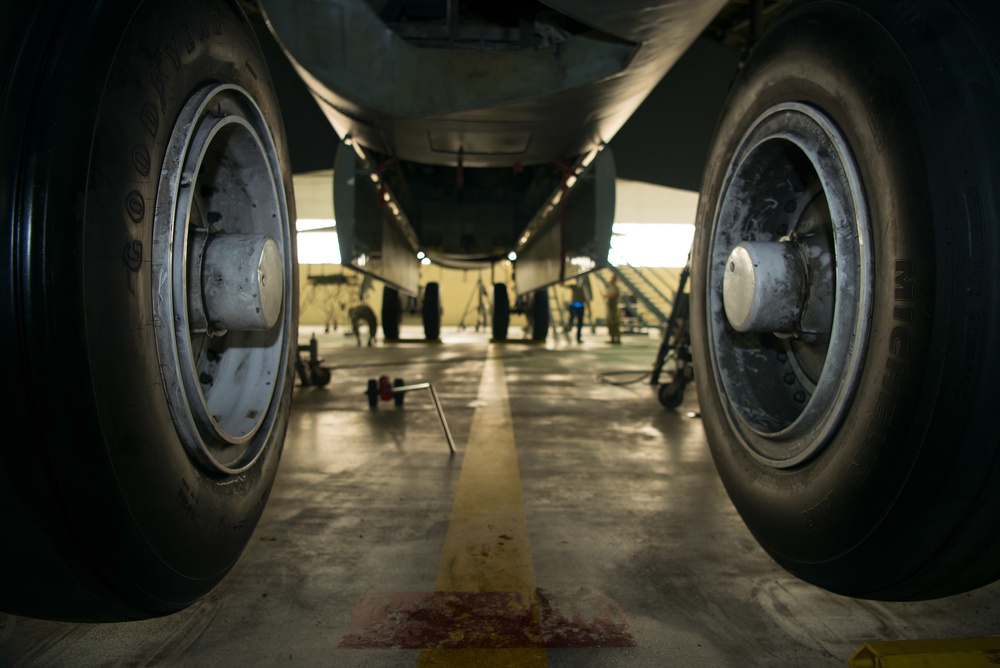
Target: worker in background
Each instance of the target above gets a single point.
(363, 313)
(577, 307)
(611, 298)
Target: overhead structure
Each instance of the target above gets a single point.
(473, 129)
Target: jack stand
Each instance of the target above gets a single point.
(396, 391)
(315, 374)
(482, 305)
(676, 343)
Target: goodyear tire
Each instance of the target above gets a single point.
(151, 164)
(855, 162)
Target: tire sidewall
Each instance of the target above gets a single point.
(163, 528)
(824, 508)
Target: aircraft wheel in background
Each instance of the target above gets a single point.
(540, 315)
(501, 311)
(391, 313)
(431, 311)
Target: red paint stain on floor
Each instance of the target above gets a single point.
(484, 620)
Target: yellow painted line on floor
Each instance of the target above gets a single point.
(486, 548)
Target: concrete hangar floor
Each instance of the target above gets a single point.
(578, 524)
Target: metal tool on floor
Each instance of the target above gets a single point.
(395, 391)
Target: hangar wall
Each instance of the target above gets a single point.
(321, 304)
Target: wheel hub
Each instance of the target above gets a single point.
(789, 285)
(222, 264)
(240, 285)
(764, 287)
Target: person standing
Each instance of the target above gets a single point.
(577, 307)
(611, 298)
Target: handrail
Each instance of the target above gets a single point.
(638, 294)
(659, 293)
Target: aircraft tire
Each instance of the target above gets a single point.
(855, 160)
(540, 315)
(134, 133)
(391, 313)
(431, 311)
(501, 311)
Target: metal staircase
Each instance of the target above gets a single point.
(649, 297)
(643, 299)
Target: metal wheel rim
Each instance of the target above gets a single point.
(785, 396)
(221, 176)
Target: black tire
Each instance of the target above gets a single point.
(400, 397)
(540, 315)
(122, 507)
(501, 311)
(372, 393)
(671, 395)
(391, 313)
(431, 311)
(321, 377)
(883, 480)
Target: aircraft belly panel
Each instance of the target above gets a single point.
(571, 235)
(499, 107)
(374, 236)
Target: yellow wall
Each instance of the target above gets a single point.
(458, 293)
